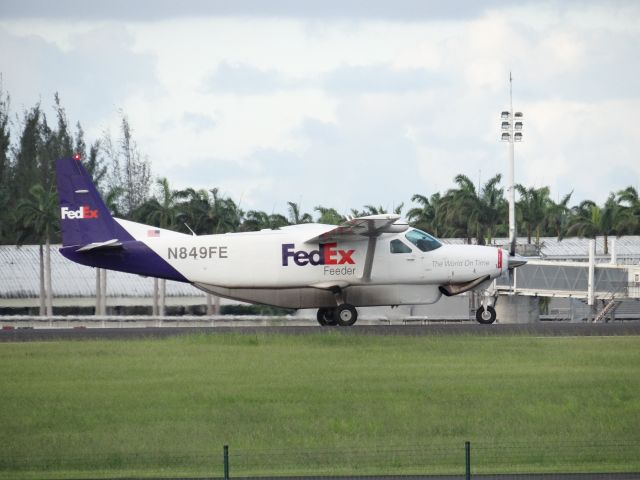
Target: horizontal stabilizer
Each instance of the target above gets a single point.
(113, 243)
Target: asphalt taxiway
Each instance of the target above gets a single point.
(540, 329)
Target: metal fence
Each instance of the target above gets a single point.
(455, 460)
(460, 460)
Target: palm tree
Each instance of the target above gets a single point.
(427, 217)
(225, 214)
(256, 220)
(469, 213)
(113, 200)
(195, 208)
(557, 216)
(590, 220)
(37, 217)
(532, 209)
(207, 212)
(493, 206)
(373, 210)
(161, 210)
(296, 217)
(460, 207)
(329, 216)
(629, 196)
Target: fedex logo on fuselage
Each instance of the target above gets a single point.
(83, 212)
(327, 254)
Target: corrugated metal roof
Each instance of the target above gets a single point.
(20, 277)
(627, 246)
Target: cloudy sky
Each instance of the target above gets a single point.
(342, 103)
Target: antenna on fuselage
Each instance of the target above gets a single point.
(192, 232)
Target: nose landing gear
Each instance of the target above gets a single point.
(486, 315)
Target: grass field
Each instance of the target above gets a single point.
(319, 404)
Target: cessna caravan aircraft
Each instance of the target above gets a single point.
(368, 261)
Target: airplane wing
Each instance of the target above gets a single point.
(369, 227)
(356, 228)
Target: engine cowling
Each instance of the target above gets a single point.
(452, 289)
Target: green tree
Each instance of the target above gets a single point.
(194, 208)
(329, 216)
(558, 216)
(256, 220)
(532, 209)
(493, 207)
(590, 220)
(469, 213)
(630, 203)
(161, 210)
(37, 217)
(127, 167)
(227, 214)
(5, 166)
(428, 215)
(296, 217)
(208, 212)
(5, 138)
(26, 168)
(373, 210)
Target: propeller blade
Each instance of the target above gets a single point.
(516, 261)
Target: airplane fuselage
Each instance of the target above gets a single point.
(278, 267)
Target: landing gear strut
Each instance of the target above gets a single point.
(344, 314)
(486, 312)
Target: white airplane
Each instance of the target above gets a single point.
(368, 261)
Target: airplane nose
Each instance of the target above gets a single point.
(516, 261)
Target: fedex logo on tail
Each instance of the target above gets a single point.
(327, 254)
(83, 212)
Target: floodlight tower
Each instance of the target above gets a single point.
(511, 127)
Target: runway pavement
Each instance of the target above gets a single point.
(541, 329)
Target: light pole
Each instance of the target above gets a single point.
(511, 126)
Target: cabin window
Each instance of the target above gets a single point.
(422, 240)
(398, 246)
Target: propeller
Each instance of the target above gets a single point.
(515, 260)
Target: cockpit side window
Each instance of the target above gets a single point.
(422, 240)
(397, 246)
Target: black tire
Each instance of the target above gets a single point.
(486, 317)
(326, 316)
(330, 317)
(346, 315)
(320, 316)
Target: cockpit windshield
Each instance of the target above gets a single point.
(422, 240)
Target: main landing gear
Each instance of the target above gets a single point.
(344, 314)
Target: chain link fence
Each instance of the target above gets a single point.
(455, 460)
(550, 460)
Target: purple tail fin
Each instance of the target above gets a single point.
(84, 218)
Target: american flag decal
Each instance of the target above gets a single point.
(153, 233)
